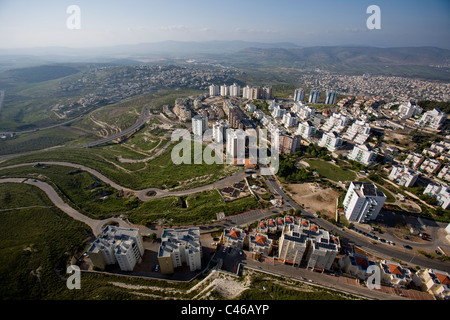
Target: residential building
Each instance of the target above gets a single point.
(178, 247)
(330, 97)
(314, 96)
(266, 92)
(290, 119)
(299, 95)
(214, 90)
(251, 93)
(271, 225)
(434, 282)
(403, 176)
(260, 243)
(306, 130)
(363, 202)
(234, 237)
(224, 90)
(219, 131)
(363, 154)
(278, 112)
(358, 132)
(183, 112)
(288, 144)
(430, 166)
(117, 245)
(414, 160)
(234, 90)
(406, 111)
(337, 122)
(331, 140)
(356, 265)
(250, 107)
(444, 174)
(394, 274)
(199, 125)
(262, 227)
(304, 244)
(440, 192)
(234, 117)
(433, 119)
(303, 111)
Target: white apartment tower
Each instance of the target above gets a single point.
(299, 95)
(363, 154)
(314, 96)
(235, 90)
(224, 90)
(214, 90)
(199, 125)
(363, 202)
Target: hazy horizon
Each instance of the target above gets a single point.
(414, 23)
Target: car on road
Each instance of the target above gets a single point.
(224, 249)
(157, 268)
(438, 252)
(407, 247)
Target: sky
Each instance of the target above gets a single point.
(31, 23)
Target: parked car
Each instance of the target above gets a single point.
(407, 247)
(157, 268)
(224, 249)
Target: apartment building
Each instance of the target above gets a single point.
(363, 202)
(214, 90)
(260, 243)
(251, 93)
(440, 192)
(117, 245)
(394, 274)
(403, 176)
(299, 95)
(234, 90)
(219, 131)
(331, 140)
(314, 96)
(444, 173)
(330, 97)
(250, 107)
(199, 125)
(303, 111)
(304, 244)
(414, 160)
(178, 247)
(337, 122)
(306, 130)
(262, 227)
(278, 112)
(266, 92)
(408, 110)
(288, 144)
(290, 119)
(358, 132)
(430, 166)
(433, 119)
(434, 282)
(224, 90)
(363, 154)
(234, 237)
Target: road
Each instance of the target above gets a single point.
(95, 225)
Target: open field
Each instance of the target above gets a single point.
(331, 171)
(314, 198)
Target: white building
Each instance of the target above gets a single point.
(363, 202)
(440, 192)
(433, 119)
(434, 282)
(363, 154)
(299, 94)
(250, 107)
(444, 174)
(117, 245)
(331, 140)
(330, 97)
(403, 176)
(290, 119)
(278, 112)
(199, 125)
(214, 90)
(305, 244)
(224, 90)
(234, 90)
(178, 247)
(234, 237)
(430, 166)
(314, 96)
(303, 111)
(406, 111)
(306, 130)
(337, 122)
(359, 132)
(220, 130)
(414, 160)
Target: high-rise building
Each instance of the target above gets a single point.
(331, 140)
(117, 245)
(330, 97)
(406, 111)
(306, 130)
(219, 131)
(178, 247)
(199, 125)
(288, 144)
(224, 90)
(290, 119)
(235, 90)
(299, 95)
(214, 90)
(266, 92)
(314, 96)
(433, 119)
(363, 202)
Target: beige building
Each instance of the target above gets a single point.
(434, 282)
(394, 274)
(356, 265)
(260, 243)
(234, 237)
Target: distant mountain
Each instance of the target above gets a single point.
(418, 56)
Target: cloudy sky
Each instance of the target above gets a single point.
(42, 23)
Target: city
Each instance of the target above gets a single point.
(225, 160)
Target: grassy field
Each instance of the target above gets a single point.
(34, 244)
(331, 171)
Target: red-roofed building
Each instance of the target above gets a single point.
(260, 243)
(434, 282)
(356, 265)
(234, 237)
(272, 225)
(394, 274)
(262, 227)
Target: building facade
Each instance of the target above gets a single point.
(363, 202)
